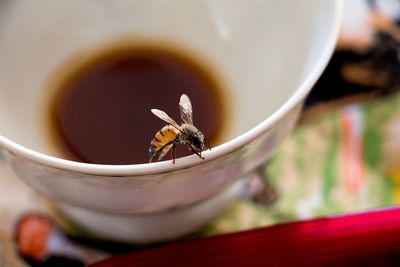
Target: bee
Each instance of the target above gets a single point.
(172, 133)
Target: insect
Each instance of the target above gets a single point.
(172, 133)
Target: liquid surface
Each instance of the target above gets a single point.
(100, 112)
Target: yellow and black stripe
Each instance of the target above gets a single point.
(162, 142)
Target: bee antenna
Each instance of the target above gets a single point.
(208, 143)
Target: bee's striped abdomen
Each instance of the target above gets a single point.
(162, 142)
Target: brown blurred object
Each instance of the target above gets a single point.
(40, 243)
(365, 64)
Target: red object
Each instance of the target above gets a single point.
(370, 238)
(32, 236)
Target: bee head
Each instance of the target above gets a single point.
(194, 137)
(197, 140)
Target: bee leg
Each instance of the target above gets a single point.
(159, 154)
(195, 152)
(173, 152)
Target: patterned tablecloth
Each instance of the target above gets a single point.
(344, 159)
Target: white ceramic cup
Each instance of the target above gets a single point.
(268, 53)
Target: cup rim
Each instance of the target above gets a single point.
(192, 160)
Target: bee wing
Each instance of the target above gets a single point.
(186, 110)
(164, 116)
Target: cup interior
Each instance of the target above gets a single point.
(260, 50)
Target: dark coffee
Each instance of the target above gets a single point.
(100, 112)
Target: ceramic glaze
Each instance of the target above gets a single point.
(284, 46)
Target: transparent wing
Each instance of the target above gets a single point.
(164, 116)
(186, 109)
